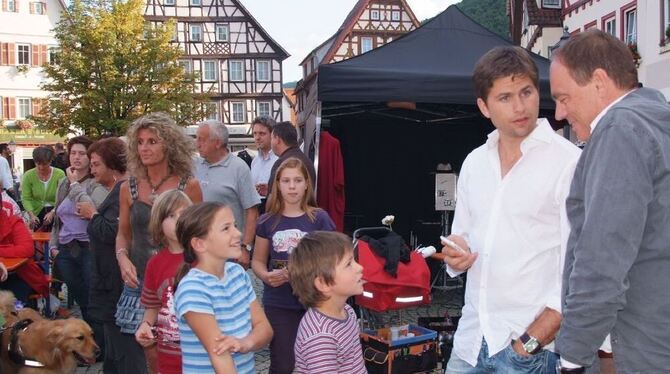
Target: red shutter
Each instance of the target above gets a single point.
(4, 5)
(44, 7)
(16, 6)
(37, 106)
(35, 51)
(11, 105)
(44, 50)
(11, 54)
(5, 107)
(4, 60)
(32, 8)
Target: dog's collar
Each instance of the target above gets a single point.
(14, 349)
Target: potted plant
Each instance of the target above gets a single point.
(24, 124)
(667, 33)
(635, 53)
(22, 68)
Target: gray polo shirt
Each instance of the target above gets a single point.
(228, 181)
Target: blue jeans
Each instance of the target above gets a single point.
(504, 362)
(76, 271)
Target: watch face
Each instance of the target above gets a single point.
(531, 345)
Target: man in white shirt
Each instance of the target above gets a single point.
(510, 219)
(6, 180)
(261, 166)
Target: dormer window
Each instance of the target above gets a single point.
(554, 4)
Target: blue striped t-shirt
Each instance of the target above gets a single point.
(229, 300)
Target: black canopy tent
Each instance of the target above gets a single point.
(402, 109)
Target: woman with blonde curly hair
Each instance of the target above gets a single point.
(159, 159)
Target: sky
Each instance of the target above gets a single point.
(301, 25)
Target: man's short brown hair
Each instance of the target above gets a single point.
(501, 62)
(316, 256)
(595, 49)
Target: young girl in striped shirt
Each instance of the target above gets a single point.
(221, 323)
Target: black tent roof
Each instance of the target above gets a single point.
(432, 64)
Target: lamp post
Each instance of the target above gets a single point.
(12, 148)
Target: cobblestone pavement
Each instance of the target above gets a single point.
(443, 301)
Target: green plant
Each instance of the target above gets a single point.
(22, 68)
(635, 53)
(24, 124)
(667, 32)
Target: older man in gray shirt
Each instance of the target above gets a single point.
(224, 177)
(617, 267)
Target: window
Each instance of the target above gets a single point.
(2, 113)
(264, 108)
(236, 71)
(263, 71)
(212, 111)
(374, 15)
(24, 106)
(222, 33)
(38, 8)
(195, 2)
(23, 54)
(209, 72)
(196, 33)
(169, 2)
(551, 4)
(630, 19)
(11, 5)
(610, 26)
(238, 112)
(186, 65)
(395, 15)
(53, 55)
(366, 44)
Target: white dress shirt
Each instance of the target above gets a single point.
(261, 167)
(519, 227)
(6, 180)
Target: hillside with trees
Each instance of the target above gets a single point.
(491, 14)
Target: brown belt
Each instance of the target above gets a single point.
(603, 354)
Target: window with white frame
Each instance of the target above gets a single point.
(222, 33)
(24, 106)
(212, 111)
(366, 44)
(11, 5)
(23, 54)
(630, 26)
(551, 4)
(236, 70)
(38, 8)
(395, 15)
(374, 15)
(263, 71)
(195, 2)
(169, 2)
(187, 66)
(209, 72)
(237, 109)
(610, 26)
(195, 32)
(264, 108)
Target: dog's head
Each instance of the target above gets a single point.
(74, 336)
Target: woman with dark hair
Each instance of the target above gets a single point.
(38, 189)
(108, 167)
(159, 159)
(69, 239)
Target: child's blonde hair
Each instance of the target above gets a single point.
(316, 256)
(168, 202)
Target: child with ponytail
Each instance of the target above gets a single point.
(221, 323)
(159, 324)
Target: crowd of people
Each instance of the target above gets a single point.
(565, 249)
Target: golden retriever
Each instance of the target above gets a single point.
(59, 345)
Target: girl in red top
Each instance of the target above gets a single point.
(160, 322)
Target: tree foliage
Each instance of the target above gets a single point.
(491, 14)
(111, 68)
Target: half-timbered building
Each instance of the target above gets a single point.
(237, 62)
(370, 24)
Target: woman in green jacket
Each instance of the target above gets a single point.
(38, 189)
